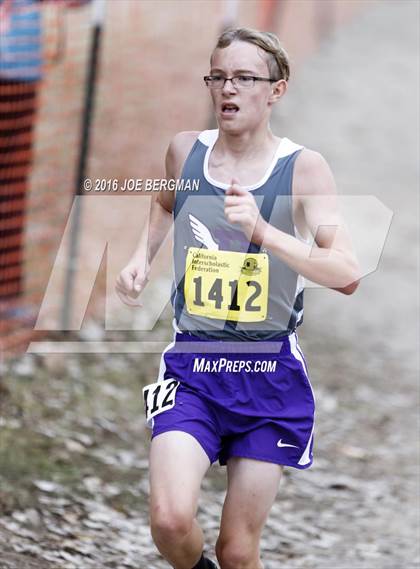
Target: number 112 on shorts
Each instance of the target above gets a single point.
(159, 397)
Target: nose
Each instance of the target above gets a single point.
(231, 85)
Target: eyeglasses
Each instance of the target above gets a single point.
(239, 82)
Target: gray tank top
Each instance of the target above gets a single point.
(225, 287)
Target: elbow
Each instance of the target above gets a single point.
(353, 278)
(352, 282)
(350, 288)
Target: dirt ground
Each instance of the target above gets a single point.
(73, 447)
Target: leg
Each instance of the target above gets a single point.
(252, 488)
(178, 464)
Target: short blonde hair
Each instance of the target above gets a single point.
(277, 60)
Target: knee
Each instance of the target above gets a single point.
(236, 555)
(169, 524)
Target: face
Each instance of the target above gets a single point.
(240, 109)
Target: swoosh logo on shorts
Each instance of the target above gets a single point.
(280, 444)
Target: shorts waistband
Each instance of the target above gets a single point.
(211, 345)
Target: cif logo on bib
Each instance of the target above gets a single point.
(226, 285)
(250, 266)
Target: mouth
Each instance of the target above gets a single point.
(229, 108)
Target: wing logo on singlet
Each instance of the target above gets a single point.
(226, 285)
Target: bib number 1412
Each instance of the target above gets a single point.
(226, 285)
(215, 294)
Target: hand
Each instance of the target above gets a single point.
(240, 207)
(131, 281)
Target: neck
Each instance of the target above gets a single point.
(245, 145)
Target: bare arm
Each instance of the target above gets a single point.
(330, 261)
(134, 277)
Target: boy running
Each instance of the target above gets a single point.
(233, 385)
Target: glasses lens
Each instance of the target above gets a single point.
(244, 82)
(215, 82)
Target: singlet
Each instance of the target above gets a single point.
(225, 287)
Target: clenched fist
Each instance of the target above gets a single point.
(131, 281)
(241, 208)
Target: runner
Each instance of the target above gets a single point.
(233, 386)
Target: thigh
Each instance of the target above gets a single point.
(252, 489)
(178, 464)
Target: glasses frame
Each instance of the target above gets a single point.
(231, 79)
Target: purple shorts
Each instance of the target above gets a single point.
(251, 400)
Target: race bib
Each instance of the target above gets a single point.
(159, 397)
(226, 284)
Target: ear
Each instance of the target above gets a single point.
(278, 89)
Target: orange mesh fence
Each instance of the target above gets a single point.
(34, 191)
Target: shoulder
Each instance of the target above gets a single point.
(310, 162)
(312, 174)
(184, 139)
(178, 150)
